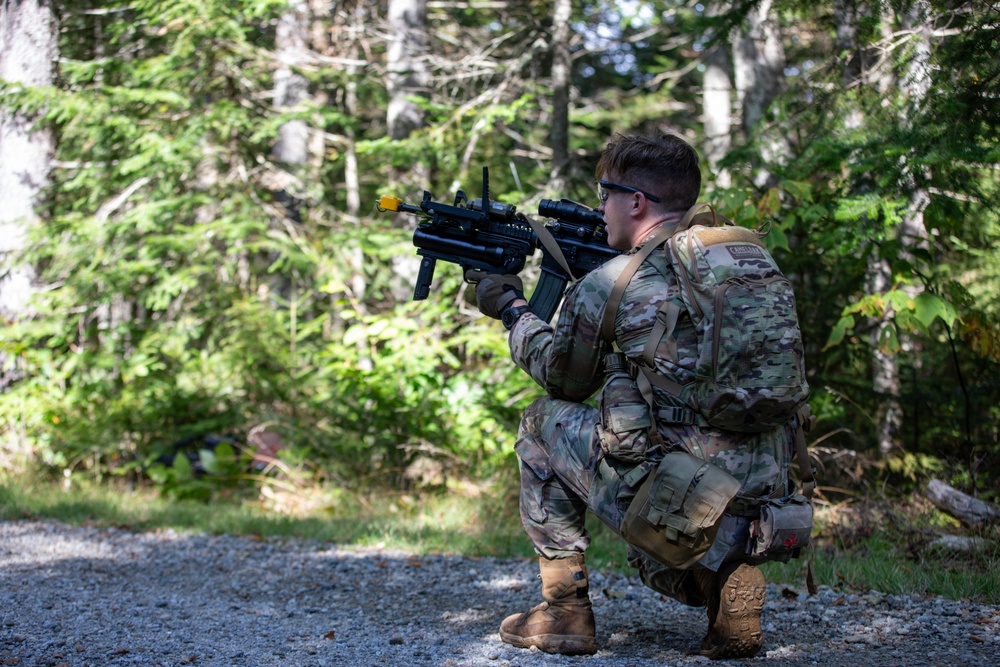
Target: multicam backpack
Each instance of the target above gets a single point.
(750, 373)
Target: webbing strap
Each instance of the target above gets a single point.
(549, 241)
(618, 291)
(675, 389)
(645, 379)
(685, 279)
(666, 232)
(642, 382)
(805, 421)
(692, 212)
(666, 321)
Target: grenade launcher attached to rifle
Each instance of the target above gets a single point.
(488, 236)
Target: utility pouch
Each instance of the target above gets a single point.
(676, 512)
(782, 530)
(625, 420)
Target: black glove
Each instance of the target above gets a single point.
(494, 291)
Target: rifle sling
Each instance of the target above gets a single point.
(550, 244)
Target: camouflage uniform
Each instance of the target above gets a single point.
(563, 468)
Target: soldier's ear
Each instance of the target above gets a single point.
(639, 204)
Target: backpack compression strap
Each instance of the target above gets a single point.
(805, 422)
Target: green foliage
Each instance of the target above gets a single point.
(218, 467)
(194, 286)
(184, 299)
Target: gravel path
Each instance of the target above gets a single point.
(88, 596)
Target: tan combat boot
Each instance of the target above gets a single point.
(735, 601)
(564, 623)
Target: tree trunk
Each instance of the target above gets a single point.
(717, 114)
(405, 65)
(352, 174)
(759, 64)
(884, 366)
(759, 73)
(860, 68)
(910, 233)
(291, 89)
(561, 80)
(28, 51)
(407, 76)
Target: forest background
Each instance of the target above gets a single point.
(194, 263)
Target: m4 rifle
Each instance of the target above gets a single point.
(488, 236)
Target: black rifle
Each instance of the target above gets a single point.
(488, 236)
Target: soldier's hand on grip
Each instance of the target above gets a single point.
(494, 292)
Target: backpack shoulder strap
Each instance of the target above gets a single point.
(618, 291)
(664, 235)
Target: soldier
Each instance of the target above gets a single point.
(646, 183)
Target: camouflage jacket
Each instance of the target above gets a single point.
(568, 362)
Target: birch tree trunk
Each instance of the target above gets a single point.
(407, 73)
(915, 84)
(885, 366)
(759, 73)
(915, 87)
(291, 89)
(561, 80)
(27, 53)
(352, 172)
(717, 109)
(28, 50)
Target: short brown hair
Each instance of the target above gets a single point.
(663, 165)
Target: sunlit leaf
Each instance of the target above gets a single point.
(840, 329)
(888, 342)
(928, 307)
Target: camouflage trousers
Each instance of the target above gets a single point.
(564, 474)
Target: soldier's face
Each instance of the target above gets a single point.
(615, 206)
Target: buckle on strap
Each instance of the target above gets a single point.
(676, 415)
(743, 506)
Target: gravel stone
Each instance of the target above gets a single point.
(82, 596)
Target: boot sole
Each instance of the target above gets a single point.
(739, 615)
(563, 644)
